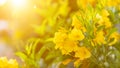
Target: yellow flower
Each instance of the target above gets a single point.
(99, 38)
(83, 3)
(13, 63)
(115, 37)
(114, 3)
(77, 24)
(105, 13)
(60, 36)
(82, 53)
(76, 34)
(68, 47)
(107, 23)
(63, 43)
(103, 19)
(4, 63)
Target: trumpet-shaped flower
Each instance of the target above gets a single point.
(99, 38)
(4, 63)
(60, 36)
(64, 43)
(68, 47)
(103, 19)
(115, 36)
(82, 53)
(77, 24)
(76, 34)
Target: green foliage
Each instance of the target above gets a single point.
(30, 57)
(56, 13)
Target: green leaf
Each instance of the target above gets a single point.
(28, 47)
(50, 55)
(34, 47)
(41, 52)
(40, 29)
(49, 40)
(22, 56)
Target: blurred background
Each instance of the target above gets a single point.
(16, 18)
(21, 20)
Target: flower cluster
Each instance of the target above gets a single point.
(106, 3)
(102, 29)
(90, 28)
(69, 41)
(4, 63)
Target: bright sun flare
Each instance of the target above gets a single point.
(2, 2)
(18, 3)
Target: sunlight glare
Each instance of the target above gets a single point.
(19, 3)
(2, 2)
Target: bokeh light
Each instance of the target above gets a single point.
(3, 25)
(18, 3)
(2, 2)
